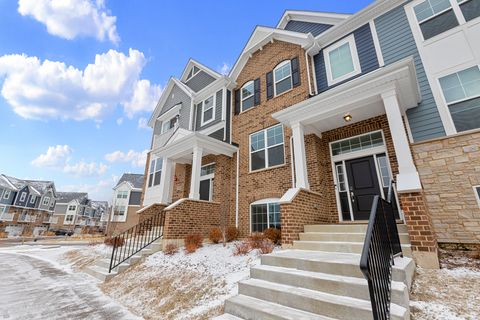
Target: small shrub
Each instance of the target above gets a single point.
(49, 234)
(215, 235)
(255, 240)
(190, 248)
(170, 249)
(114, 241)
(3, 235)
(231, 234)
(241, 248)
(266, 246)
(274, 235)
(27, 233)
(195, 239)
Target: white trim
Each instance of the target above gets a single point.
(276, 81)
(213, 108)
(32, 199)
(354, 55)
(210, 177)
(266, 147)
(171, 113)
(213, 128)
(477, 196)
(224, 104)
(376, 42)
(450, 74)
(264, 202)
(192, 62)
(23, 195)
(311, 16)
(48, 201)
(7, 194)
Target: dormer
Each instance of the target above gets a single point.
(197, 76)
(315, 23)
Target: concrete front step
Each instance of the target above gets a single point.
(316, 302)
(342, 264)
(328, 283)
(340, 246)
(227, 316)
(346, 228)
(250, 308)
(351, 237)
(100, 273)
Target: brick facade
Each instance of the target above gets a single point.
(273, 182)
(190, 216)
(449, 168)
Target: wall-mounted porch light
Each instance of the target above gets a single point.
(348, 117)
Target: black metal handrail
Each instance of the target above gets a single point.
(382, 244)
(135, 239)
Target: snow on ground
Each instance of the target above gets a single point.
(182, 286)
(81, 258)
(450, 293)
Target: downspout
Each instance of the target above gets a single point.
(236, 189)
(293, 163)
(308, 74)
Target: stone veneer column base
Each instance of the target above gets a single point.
(420, 229)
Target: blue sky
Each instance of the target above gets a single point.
(78, 80)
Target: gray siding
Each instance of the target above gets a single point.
(34, 204)
(218, 113)
(200, 81)
(177, 96)
(366, 55)
(8, 201)
(60, 208)
(41, 206)
(397, 42)
(135, 197)
(217, 134)
(22, 203)
(307, 27)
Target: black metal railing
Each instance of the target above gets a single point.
(382, 244)
(133, 240)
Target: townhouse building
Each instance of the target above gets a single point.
(126, 202)
(26, 206)
(321, 113)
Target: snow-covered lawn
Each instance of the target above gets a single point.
(451, 293)
(182, 286)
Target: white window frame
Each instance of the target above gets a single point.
(2, 209)
(32, 199)
(434, 15)
(69, 208)
(167, 121)
(477, 197)
(66, 221)
(275, 81)
(7, 194)
(357, 69)
(152, 171)
(266, 147)
(46, 201)
(260, 202)
(124, 195)
(23, 195)
(210, 176)
(116, 210)
(242, 98)
(214, 98)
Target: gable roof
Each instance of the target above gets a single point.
(99, 204)
(191, 63)
(41, 186)
(135, 179)
(311, 16)
(165, 94)
(67, 197)
(5, 183)
(262, 36)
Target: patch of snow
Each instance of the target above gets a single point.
(435, 310)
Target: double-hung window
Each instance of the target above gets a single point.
(435, 17)
(122, 194)
(267, 148)
(461, 91)
(155, 172)
(265, 214)
(282, 77)
(69, 218)
(169, 124)
(208, 110)
(46, 201)
(32, 199)
(476, 190)
(341, 60)
(72, 208)
(119, 210)
(23, 195)
(247, 98)
(470, 9)
(6, 195)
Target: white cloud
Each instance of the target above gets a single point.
(145, 98)
(84, 169)
(143, 123)
(53, 90)
(120, 121)
(137, 159)
(100, 191)
(224, 69)
(55, 156)
(70, 19)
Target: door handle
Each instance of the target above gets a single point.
(352, 196)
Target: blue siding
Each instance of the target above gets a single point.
(397, 42)
(200, 81)
(366, 55)
(307, 27)
(22, 203)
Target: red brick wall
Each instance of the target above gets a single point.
(191, 216)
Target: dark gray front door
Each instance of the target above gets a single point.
(205, 189)
(363, 185)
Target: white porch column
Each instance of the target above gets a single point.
(408, 179)
(301, 175)
(166, 180)
(196, 167)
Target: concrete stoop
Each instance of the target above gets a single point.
(321, 281)
(100, 269)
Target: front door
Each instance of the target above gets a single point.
(363, 185)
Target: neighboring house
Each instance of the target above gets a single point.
(320, 114)
(26, 205)
(99, 211)
(126, 202)
(69, 210)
